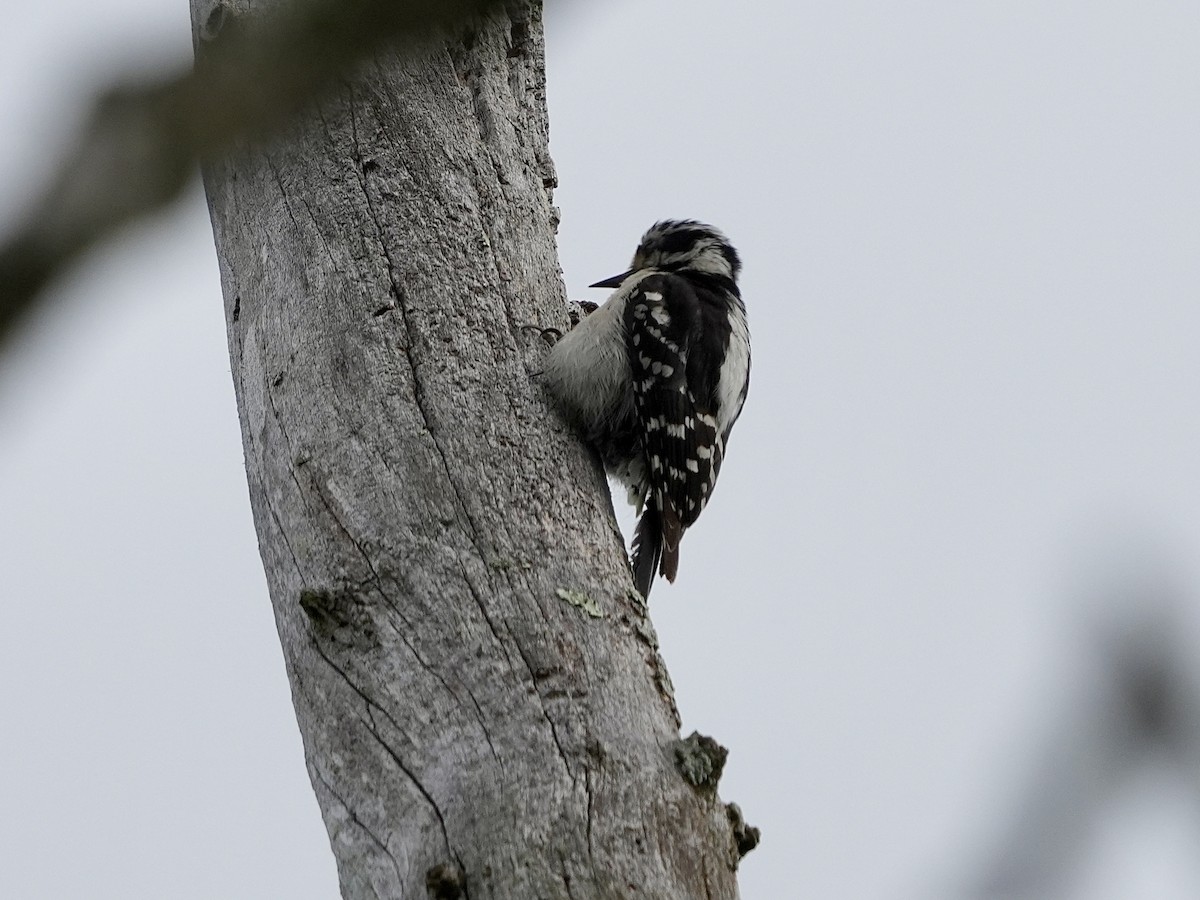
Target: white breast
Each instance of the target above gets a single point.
(588, 369)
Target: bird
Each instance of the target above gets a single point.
(655, 379)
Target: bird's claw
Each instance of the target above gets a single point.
(554, 334)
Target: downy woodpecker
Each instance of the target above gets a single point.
(655, 379)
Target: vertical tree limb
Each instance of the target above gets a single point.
(482, 703)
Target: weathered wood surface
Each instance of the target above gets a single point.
(483, 708)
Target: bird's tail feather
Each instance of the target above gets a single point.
(672, 533)
(647, 549)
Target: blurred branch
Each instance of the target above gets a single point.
(143, 141)
(1137, 694)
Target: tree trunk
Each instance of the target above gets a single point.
(483, 707)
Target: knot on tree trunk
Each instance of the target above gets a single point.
(446, 882)
(339, 616)
(746, 837)
(700, 760)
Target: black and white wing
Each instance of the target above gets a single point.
(674, 402)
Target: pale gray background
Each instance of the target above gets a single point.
(971, 236)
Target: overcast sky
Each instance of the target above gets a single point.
(971, 235)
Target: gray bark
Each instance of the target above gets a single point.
(482, 703)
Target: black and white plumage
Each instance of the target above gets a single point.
(656, 377)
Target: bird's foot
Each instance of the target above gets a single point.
(550, 335)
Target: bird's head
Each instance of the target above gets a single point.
(682, 245)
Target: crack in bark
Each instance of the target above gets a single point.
(395, 757)
(545, 712)
(483, 725)
(376, 584)
(287, 205)
(369, 705)
(321, 237)
(283, 534)
(375, 578)
(587, 786)
(381, 844)
(533, 680)
(704, 873)
(566, 878)
(266, 494)
(282, 191)
(291, 465)
(437, 811)
(472, 530)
